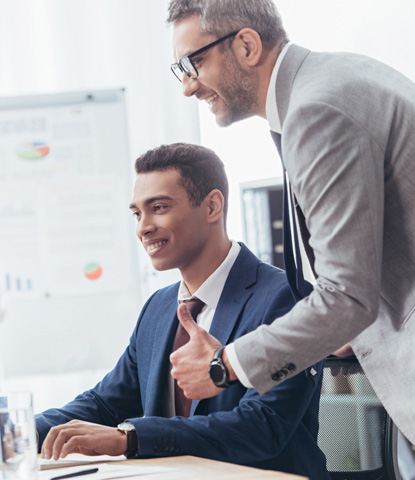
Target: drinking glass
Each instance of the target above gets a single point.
(18, 452)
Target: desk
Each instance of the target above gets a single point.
(203, 469)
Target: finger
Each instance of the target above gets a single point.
(47, 447)
(68, 431)
(60, 441)
(335, 370)
(355, 369)
(77, 444)
(201, 390)
(187, 320)
(344, 351)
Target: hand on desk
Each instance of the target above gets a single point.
(87, 438)
(191, 362)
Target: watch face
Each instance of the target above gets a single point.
(126, 426)
(217, 373)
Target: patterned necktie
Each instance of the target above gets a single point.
(182, 403)
(293, 265)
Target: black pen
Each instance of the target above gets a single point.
(76, 474)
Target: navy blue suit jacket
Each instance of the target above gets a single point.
(277, 430)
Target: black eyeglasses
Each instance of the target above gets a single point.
(186, 65)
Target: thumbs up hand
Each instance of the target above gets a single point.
(191, 362)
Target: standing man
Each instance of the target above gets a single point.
(180, 203)
(345, 127)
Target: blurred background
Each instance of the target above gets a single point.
(99, 70)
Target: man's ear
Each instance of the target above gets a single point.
(215, 204)
(248, 47)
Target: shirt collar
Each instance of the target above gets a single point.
(211, 289)
(271, 107)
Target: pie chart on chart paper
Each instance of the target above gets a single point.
(93, 271)
(33, 150)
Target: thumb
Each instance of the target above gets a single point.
(187, 320)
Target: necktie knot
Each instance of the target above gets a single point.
(194, 306)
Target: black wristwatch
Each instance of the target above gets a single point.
(128, 429)
(218, 372)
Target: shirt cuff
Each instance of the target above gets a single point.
(237, 368)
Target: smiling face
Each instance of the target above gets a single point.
(229, 90)
(174, 233)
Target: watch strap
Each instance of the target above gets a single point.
(217, 358)
(132, 440)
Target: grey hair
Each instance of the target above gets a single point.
(220, 17)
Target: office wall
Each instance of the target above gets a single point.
(54, 46)
(68, 262)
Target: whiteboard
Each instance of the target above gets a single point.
(68, 258)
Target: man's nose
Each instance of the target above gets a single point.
(145, 226)
(190, 85)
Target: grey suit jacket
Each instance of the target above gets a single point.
(348, 142)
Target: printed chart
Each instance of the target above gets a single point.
(33, 150)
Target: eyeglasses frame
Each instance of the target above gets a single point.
(198, 52)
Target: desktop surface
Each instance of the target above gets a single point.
(189, 467)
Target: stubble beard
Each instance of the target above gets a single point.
(238, 92)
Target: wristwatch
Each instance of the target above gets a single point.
(218, 372)
(128, 429)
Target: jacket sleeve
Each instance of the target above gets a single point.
(256, 429)
(336, 169)
(112, 400)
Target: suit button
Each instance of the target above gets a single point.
(277, 376)
(284, 372)
(290, 367)
(156, 448)
(176, 449)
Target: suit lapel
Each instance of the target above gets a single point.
(289, 68)
(231, 303)
(290, 65)
(165, 324)
(235, 294)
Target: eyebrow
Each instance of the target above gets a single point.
(191, 52)
(151, 200)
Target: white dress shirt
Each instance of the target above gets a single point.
(209, 292)
(274, 122)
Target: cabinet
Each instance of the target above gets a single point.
(262, 219)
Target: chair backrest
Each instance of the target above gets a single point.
(356, 434)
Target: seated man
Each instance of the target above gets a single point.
(180, 203)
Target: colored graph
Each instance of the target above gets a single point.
(33, 150)
(93, 271)
(17, 283)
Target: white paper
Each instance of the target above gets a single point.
(105, 471)
(75, 459)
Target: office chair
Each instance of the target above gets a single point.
(356, 434)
